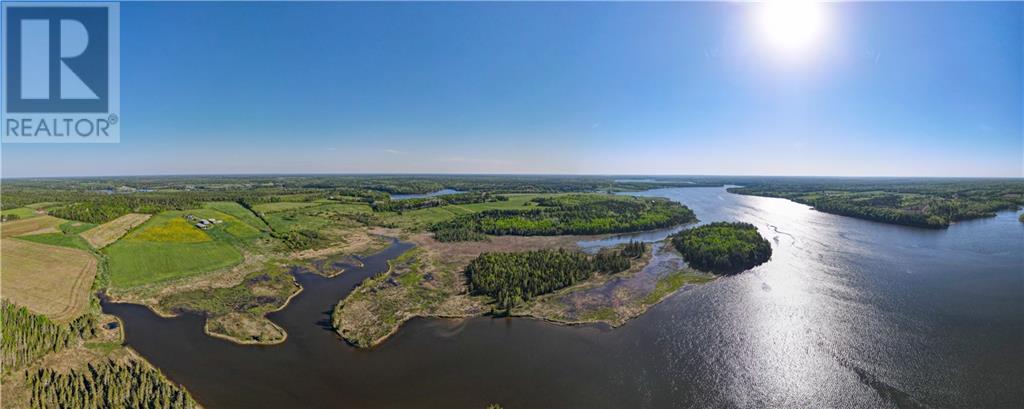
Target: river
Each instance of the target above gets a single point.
(847, 313)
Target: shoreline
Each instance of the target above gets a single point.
(524, 312)
(597, 280)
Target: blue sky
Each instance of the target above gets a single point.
(890, 89)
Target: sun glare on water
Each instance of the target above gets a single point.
(792, 29)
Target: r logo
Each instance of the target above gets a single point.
(60, 72)
(57, 59)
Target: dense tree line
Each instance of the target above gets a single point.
(575, 214)
(724, 248)
(27, 336)
(449, 232)
(511, 278)
(96, 207)
(882, 214)
(300, 239)
(610, 262)
(916, 202)
(107, 384)
(443, 200)
(634, 249)
(104, 209)
(248, 205)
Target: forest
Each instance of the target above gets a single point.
(919, 203)
(107, 384)
(425, 202)
(28, 336)
(300, 239)
(512, 278)
(572, 214)
(723, 248)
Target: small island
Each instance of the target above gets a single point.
(512, 278)
(723, 248)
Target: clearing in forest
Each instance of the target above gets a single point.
(20, 212)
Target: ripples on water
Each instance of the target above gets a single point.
(847, 313)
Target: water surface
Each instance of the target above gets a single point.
(847, 314)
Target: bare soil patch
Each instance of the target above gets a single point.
(49, 280)
(106, 233)
(36, 225)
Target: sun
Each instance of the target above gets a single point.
(791, 28)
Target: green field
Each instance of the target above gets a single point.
(295, 220)
(281, 206)
(133, 263)
(346, 208)
(167, 247)
(19, 212)
(170, 229)
(239, 212)
(232, 224)
(515, 201)
(75, 228)
(59, 239)
(173, 227)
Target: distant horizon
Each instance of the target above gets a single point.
(628, 175)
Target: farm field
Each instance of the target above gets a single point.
(75, 227)
(239, 212)
(35, 225)
(281, 206)
(232, 225)
(20, 212)
(106, 233)
(515, 201)
(49, 280)
(133, 263)
(58, 239)
(170, 227)
(168, 246)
